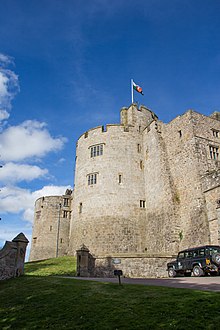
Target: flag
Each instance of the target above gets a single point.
(137, 88)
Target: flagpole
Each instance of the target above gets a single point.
(132, 92)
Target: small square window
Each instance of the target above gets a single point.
(96, 150)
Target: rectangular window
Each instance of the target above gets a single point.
(120, 178)
(65, 214)
(66, 202)
(215, 133)
(51, 228)
(142, 203)
(92, 179)
(34, 240)
(96, 150)
(139, 147)
(213, 152)
(80, 207)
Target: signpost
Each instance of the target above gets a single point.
(119, 273)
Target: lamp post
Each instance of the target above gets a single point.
(58, 230)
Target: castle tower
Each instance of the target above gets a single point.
(50, 237)
(143, 190)
(109, 206)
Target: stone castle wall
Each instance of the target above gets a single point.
(155, 190)
(50, 237)
(111, 217)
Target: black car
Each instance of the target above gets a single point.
(199, 261)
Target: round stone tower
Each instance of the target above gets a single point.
(50, 236)
(108, 211)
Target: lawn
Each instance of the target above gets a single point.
(46, 302)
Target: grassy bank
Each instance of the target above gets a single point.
(44, 302)
(63, 266)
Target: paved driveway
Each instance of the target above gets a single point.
(209, 283)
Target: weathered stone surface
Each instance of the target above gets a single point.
(12, 257)
(157, 191)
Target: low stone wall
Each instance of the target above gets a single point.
(134, 266)
(12, 257)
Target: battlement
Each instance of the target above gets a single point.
(143, 188)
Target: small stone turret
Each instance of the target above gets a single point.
(12, 257)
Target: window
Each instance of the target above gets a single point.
(66, 202)
(139, 148)
(142, 203)
(51, 227)
(34, 240)
(97, 150)
(65, 214)
(61, 240)
(215, 133)
(119, 178)
(181, 255)
(141, 165)
(213, 152)
(201, 252)
(80, 207)
(92, 179)
(180, 133)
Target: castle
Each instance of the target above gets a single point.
(143, 190)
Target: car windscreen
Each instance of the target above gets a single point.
(212, 250)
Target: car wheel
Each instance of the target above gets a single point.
(216, 258)
(197, 271)
(171, 272)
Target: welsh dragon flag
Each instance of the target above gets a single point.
(137, 88)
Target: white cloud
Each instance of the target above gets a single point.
(17, 200)
(9, 85)
(12, 173)
(5, 60)
(29, 139)
(3, 115)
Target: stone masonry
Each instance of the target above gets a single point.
(12, 257)
(143, 191)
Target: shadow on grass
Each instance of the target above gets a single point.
(194, 283)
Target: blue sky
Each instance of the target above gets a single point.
(66, 65)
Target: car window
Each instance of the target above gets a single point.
(181, 255)
(201, 252)
(195, 253)
(188, 254)
(213, 249)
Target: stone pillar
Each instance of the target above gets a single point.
(21, 243)
(85, 262)
(12, 257)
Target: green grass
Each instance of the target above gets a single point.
(45, 302)
(64, 266)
